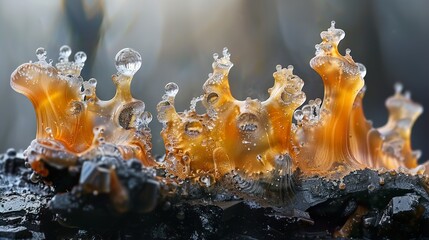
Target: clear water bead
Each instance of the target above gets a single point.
(348, 51)
(225, 53)
(398, 88)
(147, 117)
(215, 56)
(80, 57)
(41, 54)
(128, 61)
(171, 89)
(65, 52)
(362, 69)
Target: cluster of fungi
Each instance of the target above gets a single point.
(328, 137)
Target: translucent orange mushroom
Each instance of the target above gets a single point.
(245, 135)
(72, 122)
(330, 137)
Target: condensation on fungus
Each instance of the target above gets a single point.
(72, 122)
(330, 137)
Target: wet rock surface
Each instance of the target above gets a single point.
(106, 198)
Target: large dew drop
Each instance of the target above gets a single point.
(41, 54)
(80, 57)
(128, 61)
(65, 52)
(171, 89)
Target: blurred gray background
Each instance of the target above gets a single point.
(177, 39)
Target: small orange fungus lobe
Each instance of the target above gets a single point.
(246, 135)
(72, 122)
(329, 137)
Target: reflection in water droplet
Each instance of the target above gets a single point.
(146, 117)
(171, 89)
(92, 81)
(80, 57)
(128, 61)
(247, 122)
(75, 107)
(41, 54)
(65, 52)
(193, 128)
(298, 115)
(212, 98)
(215, 56)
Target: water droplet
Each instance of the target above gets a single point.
(146, 117)
(41, 54)
(371, 187)
(287, 97)
(333, 24)
(65, 52)
(34, 177)
(212, 98)
(362, 69)
(398, 88)
(298, 115)
(225, 53)
(279, 68)
(128, 61)
(92, 81)
(348, 51)
(290, 67)
(215, 56)
(205, 180)
(317, 101)
(48, 130)
(193, 128)
(128, 114)
(75, 107)
(247, 122)
(80, 57)
(171, 89)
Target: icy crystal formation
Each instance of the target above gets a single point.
(72, 122)
(330, 137)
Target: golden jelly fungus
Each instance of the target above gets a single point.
(329, 137)
(245, 135)
(72, 122)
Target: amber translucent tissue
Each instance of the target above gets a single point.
(328, 138)
(72, 122)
